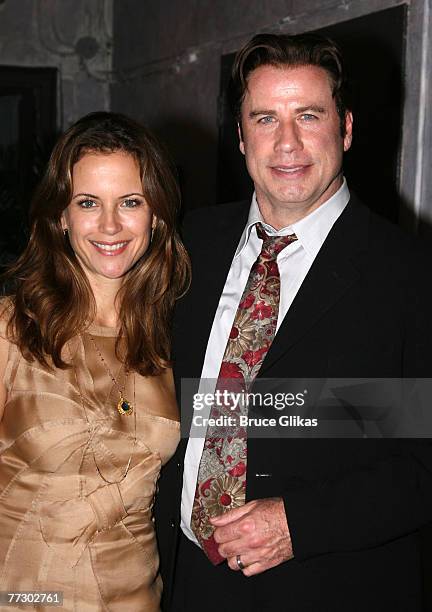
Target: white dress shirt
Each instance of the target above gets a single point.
(294, 263)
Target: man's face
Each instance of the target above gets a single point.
(292, 140)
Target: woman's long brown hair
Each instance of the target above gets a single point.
(53, 301)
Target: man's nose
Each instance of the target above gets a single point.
(110, 221)
(288, 137)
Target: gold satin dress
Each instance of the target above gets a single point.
(62, 527)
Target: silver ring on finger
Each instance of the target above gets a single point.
(239, 563)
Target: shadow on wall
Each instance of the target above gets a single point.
(27, 134)
(190, 143)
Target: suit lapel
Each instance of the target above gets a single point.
(211, 257)
(332, 273)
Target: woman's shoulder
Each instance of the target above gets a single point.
(6, 310)
(6, 349)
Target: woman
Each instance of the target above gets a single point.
(87, 400)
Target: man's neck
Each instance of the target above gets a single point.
(283, 214)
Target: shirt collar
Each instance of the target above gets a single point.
(311, 231)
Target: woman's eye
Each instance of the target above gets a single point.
(87, 203)
(131, 203)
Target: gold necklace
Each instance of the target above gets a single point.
(123, 405)
(92, 431)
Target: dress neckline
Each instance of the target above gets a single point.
(102, 330)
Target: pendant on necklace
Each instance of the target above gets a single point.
(124, 406)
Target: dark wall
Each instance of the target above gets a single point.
(55, 60)
(167, 58)
(73, 36)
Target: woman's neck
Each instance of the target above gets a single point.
(105, 294)
(106, 319)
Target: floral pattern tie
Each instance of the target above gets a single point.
(221, 483)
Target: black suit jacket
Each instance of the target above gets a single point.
(355, 507)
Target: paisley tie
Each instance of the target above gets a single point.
(221, 483)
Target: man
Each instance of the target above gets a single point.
(298, 524)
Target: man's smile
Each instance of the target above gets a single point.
(290, 171)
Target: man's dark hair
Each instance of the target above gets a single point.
(281, 50)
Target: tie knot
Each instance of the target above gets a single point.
(273, 245)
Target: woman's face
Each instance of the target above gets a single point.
(108, 220)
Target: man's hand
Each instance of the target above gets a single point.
(258, 532)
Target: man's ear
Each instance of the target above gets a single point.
(348, 130)
(240, 135)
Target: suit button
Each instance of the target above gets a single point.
(172, 524)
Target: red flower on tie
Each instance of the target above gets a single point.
(234, 333)
(272, 268)
(238, 470)
(230, 370)
(247, 301)
(261, 311)
(258, 269)
(254, 357)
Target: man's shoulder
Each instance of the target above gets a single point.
(211, 218)
(388, 238)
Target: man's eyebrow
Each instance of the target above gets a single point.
(258, 112)
(301, 109)
(313, 107)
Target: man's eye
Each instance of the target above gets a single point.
(309, 117)
(131, 203)
(87, 203)
(266, 119)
